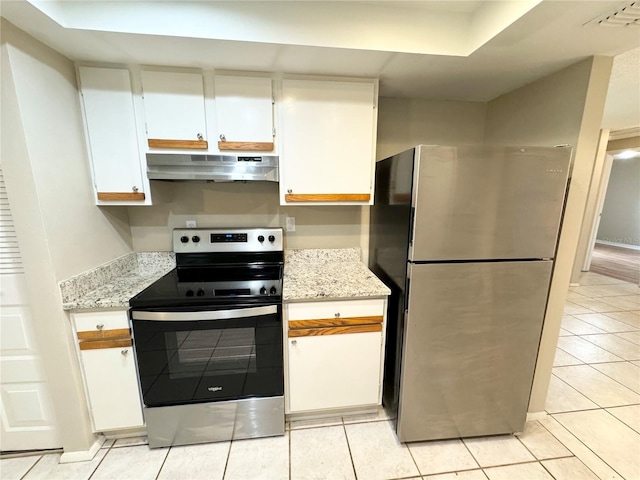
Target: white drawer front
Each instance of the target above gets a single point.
(332, 309)
(87, 322)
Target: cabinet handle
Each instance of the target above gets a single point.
(199, 136)
(100, 326)
(294, 342)
(223, 138)
(125, 352)
(338, 315)
(135, 189)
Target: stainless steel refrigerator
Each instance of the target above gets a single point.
(466, 238)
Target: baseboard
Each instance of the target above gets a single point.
(533, 416)
(621, 245)
(83, 455)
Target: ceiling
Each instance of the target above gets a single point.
(451, 50)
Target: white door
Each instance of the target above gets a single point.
(26, 412)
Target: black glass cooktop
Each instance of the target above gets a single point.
(205, 285)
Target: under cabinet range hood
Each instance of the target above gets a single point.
(213, 168)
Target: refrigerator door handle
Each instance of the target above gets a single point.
(406, 295)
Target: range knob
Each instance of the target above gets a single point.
(263, 290)
(195, 238)
(272, 238)
(261, 238)
(200, 292)
(184, 239)
(189, 293)
(272, 290)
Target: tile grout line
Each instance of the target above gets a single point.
(584, 445)
(578, 391)
(226, 463)
(108, 449)
(163, 462)
(32, 466)
(470, 453)
(622, 421)
(618, 382)
(289, 443)
(346, 436)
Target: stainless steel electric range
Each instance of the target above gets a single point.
(208, 339)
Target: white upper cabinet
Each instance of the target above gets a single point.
(110, 125)
(174, 109)
(244, 112)
(327, 141)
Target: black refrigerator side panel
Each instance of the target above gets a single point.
(389, 235)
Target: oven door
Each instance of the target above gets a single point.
(213, 354)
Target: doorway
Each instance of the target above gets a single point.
(615, 242)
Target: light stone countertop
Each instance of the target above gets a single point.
(328, 274)
(309, 274)
(112, 285)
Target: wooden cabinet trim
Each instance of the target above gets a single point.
(310, 332)
(248, 146)
(191, 144)
(121, 196)
(327, 197)
(117, 333)
(334, 322)
(98, 344)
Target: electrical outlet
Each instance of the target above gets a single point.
(291, 224)
(191, 224)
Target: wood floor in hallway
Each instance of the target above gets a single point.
(616, 262)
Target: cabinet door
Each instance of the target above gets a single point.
(174, 109)
(111, 130)
(334, 371)
(328, 137)
(112, 388)
(244, 111)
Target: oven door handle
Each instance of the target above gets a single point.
(203, 314)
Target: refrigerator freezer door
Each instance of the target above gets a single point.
(470, 348)
(488, 202)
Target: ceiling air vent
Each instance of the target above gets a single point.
(625, 16)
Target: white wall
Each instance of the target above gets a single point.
(79, 234)
(60, 231)
(565, 107)
(620, 219)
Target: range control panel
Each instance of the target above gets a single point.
(252, 288)
(205, 240)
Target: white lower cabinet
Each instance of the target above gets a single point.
(112, 388)
(105, 350)
(334, 371)
(334, 355)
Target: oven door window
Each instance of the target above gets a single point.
(187, 361)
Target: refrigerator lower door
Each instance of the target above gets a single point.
(470, 346)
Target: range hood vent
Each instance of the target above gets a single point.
(213, 168)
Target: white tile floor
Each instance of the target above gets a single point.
(592, 430)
